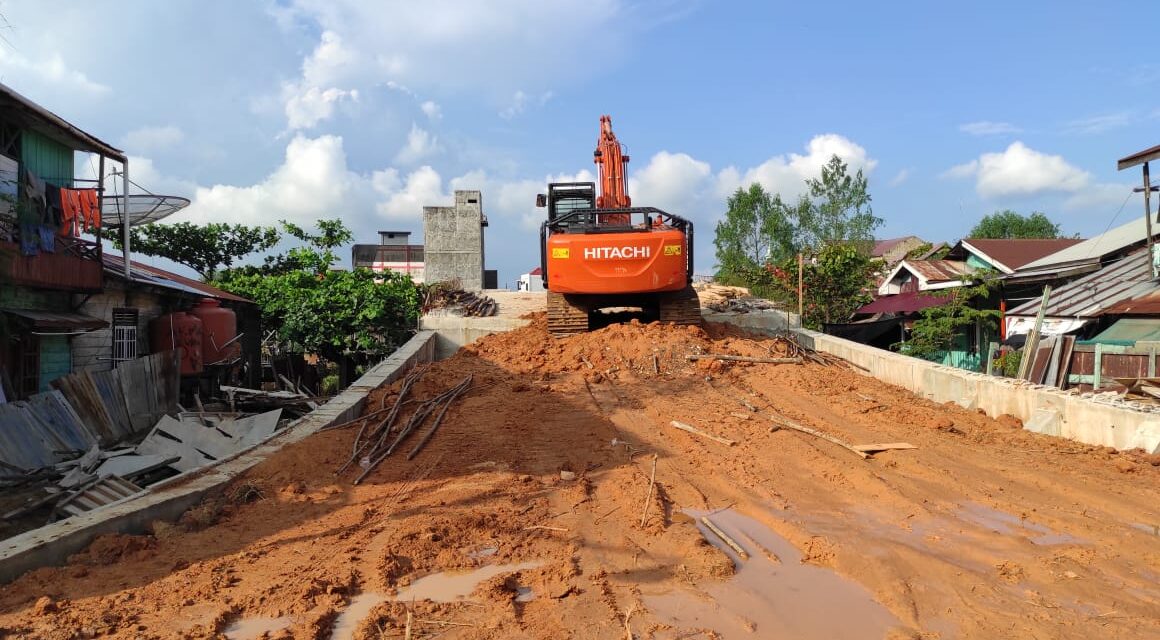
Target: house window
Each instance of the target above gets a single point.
(124, 335)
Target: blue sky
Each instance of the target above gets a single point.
(366, 110)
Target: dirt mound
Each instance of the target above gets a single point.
(561, 460)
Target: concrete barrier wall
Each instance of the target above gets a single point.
(53, 544)
(1086, 418)
(452, 332)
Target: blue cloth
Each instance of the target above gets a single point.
(29, 240)
(47, 238)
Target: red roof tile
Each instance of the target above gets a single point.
(1014, 253)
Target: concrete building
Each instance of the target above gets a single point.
(453, 238)
(394, 252)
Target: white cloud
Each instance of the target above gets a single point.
(420, 144)
(404, 198)
(520, 102)
(20, 70)
(671, 181)
(786, 174)
(431, 108)
(313, 182)
(899, 178)
(307, 106)
(1100, 123)
(1021, 171)
(490, 49)
(989, 128)
(151, 139)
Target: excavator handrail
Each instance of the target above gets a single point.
(673, 220)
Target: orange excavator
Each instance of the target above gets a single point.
(599, 252)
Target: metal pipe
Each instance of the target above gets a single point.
(1148, 221)
(125, 217)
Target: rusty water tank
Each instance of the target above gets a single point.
(219, 326)
(180, 331)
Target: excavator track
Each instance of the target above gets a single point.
(681, 307)
(564, 317)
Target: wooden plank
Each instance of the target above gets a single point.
(695, 431)
(991, 348)
(1065, 362)
(1040, 358)
(1033, 338)
(1053, 362)
(883, 446)
(83, 398)
(1098, 365)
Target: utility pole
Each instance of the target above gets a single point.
(801, 262)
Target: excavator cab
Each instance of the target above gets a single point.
(566, 197)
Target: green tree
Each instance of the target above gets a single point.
(205, 248)
(1009, 224)
(939, 327)
(316, 309)
(835, 281)
(837, 209)
(754, 232)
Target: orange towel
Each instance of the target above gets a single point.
(69, 217)
(94, 215)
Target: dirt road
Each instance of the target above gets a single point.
(531, 514)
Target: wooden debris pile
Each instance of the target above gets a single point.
(378, 438)
(452, 297)
(786, 342)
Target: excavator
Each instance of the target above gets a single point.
(598, 252)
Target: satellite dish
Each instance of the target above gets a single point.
(143, 208)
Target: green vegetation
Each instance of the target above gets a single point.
(1009, 224)
(205, 248)
(832, 224)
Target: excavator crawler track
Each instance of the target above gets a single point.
(681, 307)
(564, 316)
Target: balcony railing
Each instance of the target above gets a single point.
(74, 264)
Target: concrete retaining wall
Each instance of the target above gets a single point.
(1086, 418)
(53, 544)
(452, 332)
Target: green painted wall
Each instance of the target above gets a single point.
(975, 262)
(55, 360)
(46, 158)
(36, 299)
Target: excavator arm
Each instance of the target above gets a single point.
(612, 165)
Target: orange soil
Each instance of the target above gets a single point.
(289, 538)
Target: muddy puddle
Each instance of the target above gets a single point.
(447, 586)
(772, 594)
(1011, 524)
(257, 627)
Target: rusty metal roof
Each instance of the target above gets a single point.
(938, 270)
(150, 275)
(1098, 293)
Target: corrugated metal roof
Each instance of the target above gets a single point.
(1097, 293)
(1013, 253)
(51, 320)
(938, 270)
(48, 123)
(1130, 331)
(153, 276)
(1096, 248)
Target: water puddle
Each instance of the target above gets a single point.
(254, 628)
(1153, 529)
(1008, 523)
(484, 552)
(450, 587)
(359, 608)
(771, 595)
